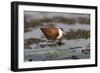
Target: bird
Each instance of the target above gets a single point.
(53, 33)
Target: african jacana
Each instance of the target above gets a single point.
(53, 33)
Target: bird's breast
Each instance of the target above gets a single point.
(60, 33)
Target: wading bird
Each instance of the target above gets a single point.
(53, 33)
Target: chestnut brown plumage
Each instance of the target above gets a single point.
(52, 33)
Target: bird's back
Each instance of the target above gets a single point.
(50, 32)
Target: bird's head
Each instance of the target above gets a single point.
(62, 29)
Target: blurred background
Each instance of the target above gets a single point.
(76, 39)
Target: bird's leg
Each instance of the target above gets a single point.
(59, 42)
(55, 42)
(48, 43)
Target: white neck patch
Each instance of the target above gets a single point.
(60, 33)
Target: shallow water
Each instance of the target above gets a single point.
(71, 49)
